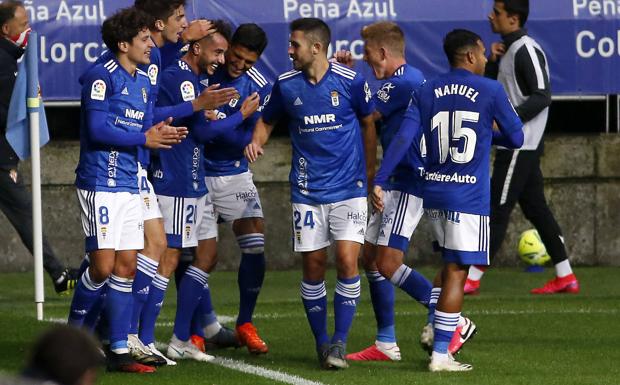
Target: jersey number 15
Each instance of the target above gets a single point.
(450, 131)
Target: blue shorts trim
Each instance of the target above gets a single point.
(91, 244)
(175, 241)
(465, 257)
(398, 242)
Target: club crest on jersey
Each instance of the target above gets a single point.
(152, 72)
(144, 95)
(233, 102)
(335, 99)
(97, 90)
(187, 91)
(188, 231)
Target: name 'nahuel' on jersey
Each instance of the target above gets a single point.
(179, 171)
(392, 100)
(457, 111)
(328, 163)
(224, 154)
(109, 88)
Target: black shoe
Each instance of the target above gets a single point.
(322, 352)
(336, 354)
(67, 281)
(225, 338)
(124, 363)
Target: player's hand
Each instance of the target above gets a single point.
(252, 151)
(213, 97)
(250, 105)
(377, 198)
(163, 135)
(211, 114)
(196, 30)
(495, 126)
(343, 57)
(498, 49)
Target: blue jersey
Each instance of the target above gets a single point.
(110, 89)
(179, 171)
(392, 100)
(328, 163)
(224, 154)
(456, 111)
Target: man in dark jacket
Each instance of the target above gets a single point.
(15, 200)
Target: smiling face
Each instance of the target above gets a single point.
(239, 59)
(376, 60)
(174, 25)
(211, 53)
(139, 50)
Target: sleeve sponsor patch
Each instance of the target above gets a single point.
(187, 91)
(367, 92)
(97, 90)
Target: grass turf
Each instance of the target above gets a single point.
(522, 339)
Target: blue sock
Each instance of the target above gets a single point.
(413, 283)
(445, 325)
(86, 294)
(251, 274)
(345, 303)
(432, 305)
(141, 286)
(94, 315)
(204, 314)
(195, 327)
(314, 298)
(382, 296)
(151, 309)
(190, 291)
(118, 310)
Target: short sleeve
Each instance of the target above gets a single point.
(361, 96)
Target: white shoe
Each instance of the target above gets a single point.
(185, 350)
(427, 338)
(448, 365)
(389, 349)
(156, 352)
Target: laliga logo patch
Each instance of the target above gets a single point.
(144, 95)
(335, 99)
(187, 91)
(97, 91)
(152, 72)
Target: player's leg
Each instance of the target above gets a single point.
(310, 238)
(510, 174)
(347, 223)
(193, 283)
(536, 210)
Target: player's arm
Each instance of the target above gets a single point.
(369, 133)
(210, 98)
(510, 134)
(206, 129)
(271, 112)
(533, 82)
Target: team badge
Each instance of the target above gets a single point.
(298, 236)
(335, 99)
(153, 71)
(104, 231)
(144, 95)
(111, 182)
(147, 203)
(233, 102)
(97, 91)
(188, 231)
(187, 91)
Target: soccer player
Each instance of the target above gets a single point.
(229, 181)
(115, 109)
(519, 63)
(325, 105)
(456, 112)
(179, 182)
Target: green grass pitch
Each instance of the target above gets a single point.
(522, 339)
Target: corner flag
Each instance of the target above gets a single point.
(26, 98)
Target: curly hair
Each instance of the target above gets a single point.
(123, 26)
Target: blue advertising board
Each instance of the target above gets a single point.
(580, 37)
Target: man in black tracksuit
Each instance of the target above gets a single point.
(519, 63)
(15, 201)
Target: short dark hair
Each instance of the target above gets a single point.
(159, 9)
(124, 25)
(250, 36)
(520, 8)
(63, 354)
(219, 26)
(7, 11)
(457, 42)
(317, 28)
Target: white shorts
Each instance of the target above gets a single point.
(234, 196)
(395, 225)
(463, 238)
(208, 227)
(150, 207)
(183, 220)
(111, 220)
(315, 226)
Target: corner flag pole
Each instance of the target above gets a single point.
(33, 102)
